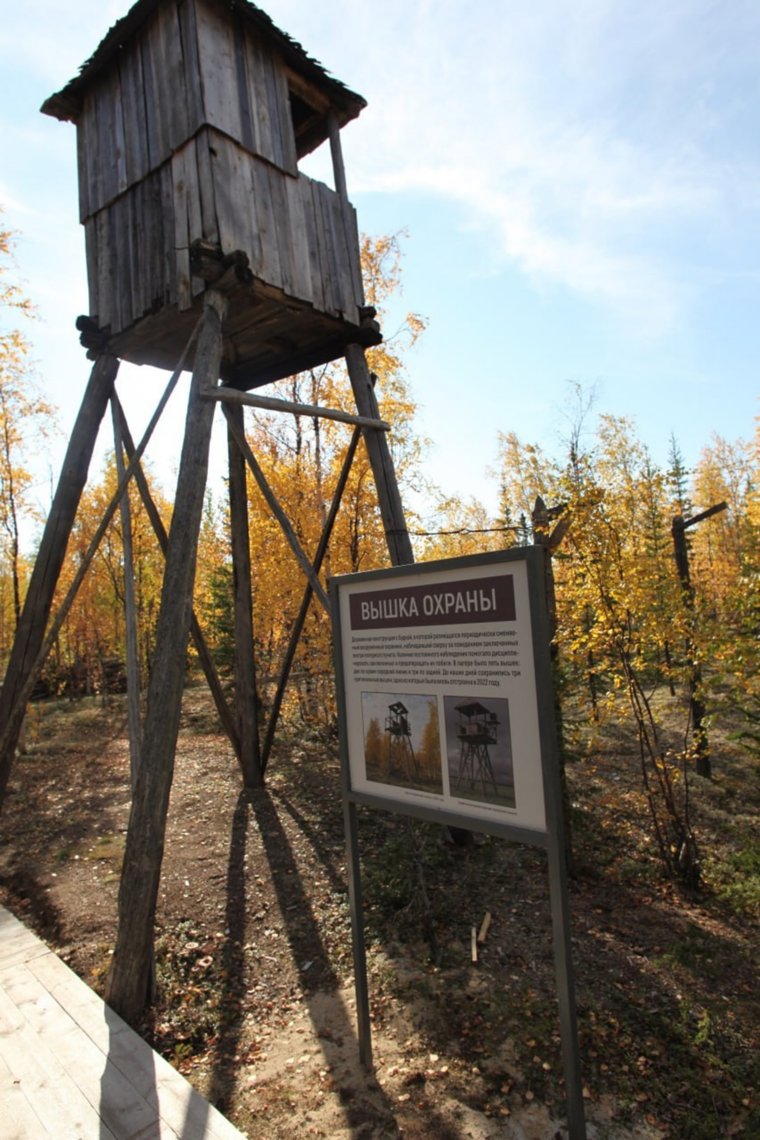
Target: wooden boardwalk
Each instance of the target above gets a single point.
(70, 1068)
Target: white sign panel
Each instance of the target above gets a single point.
(439, 690)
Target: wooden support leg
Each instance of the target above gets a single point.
(276, 507)
(245, 672)
(130, 606)
(204, 656)
(389, 497)
(129, 977)
(295, 633)
(47, 567)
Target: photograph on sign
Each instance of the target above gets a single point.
(440, 698)
(479, 752)
(402, 740)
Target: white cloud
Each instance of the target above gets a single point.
(44, 39)
(582, 135)
(594, 141)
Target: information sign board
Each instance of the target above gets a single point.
(445, 689)
(446, 712)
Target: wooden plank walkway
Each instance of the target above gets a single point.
(70, 1068)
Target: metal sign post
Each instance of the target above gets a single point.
(455, 651)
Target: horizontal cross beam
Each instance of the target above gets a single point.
(685, 523)
(274, 404)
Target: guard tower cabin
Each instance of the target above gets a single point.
(191, 118)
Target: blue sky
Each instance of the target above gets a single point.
(580, 184)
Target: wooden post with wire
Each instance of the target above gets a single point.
(550, 525)
(697, 709)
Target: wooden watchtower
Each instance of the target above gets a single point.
(207, 248)
(400, 755)
(192, 117)
(476, 732)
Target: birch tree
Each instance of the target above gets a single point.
(25, 420)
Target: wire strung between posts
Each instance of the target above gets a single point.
(464, 530)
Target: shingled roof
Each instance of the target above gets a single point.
(66, 103)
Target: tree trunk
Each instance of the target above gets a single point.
(30, 632)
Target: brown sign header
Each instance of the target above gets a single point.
(468, 601)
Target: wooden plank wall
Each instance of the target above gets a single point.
(189, 137)
(244, 86)
(191, 65)
(292, 230)
(135, 114)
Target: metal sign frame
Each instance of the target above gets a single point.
(451, 629)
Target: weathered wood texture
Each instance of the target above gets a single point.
(196, 633)
(191, 132)
(130, 602)
(138, 891)
(211, 190)
(274, 505)
(70, 1067)
(246, 701)
(245, 87)
(381, 461)
(190, 65)
(301, 242)
(275, 404)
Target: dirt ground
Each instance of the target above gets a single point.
(254, 967)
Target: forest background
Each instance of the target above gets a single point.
(630, 618)
(654, 641)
